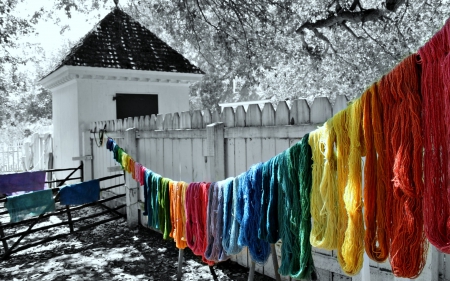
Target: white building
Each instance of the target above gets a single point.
(119, 69)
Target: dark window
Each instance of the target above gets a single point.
(132, 105)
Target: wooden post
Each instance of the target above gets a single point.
(251, 274)
(180, 264)
(2, 234)
(86, 149)
(69, 217)
(275, 262)
(131, 186)
(215, 151)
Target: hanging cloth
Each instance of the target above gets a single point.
(196, 206)
(147, 182)
(164, 207)
(214, 222)
(399, 93)
(28, 181)
(80, 193)
(435, 84)
(231, 224)
(31, 204)
(250, 190)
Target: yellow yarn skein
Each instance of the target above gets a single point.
(350, 148)
(323, 191)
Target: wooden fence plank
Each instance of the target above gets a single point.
(153, 122)
(186, 120)
(207, 117)
(340, 104)
(268, 115)
(253, 116)
(197, 120)
(176, 123)
(321, 111)
(300, 112)
(228, 117)
(167, 125)
(240, 117)
(168, 158)
(160, 122)
(282, 114)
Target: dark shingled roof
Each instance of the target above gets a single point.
(118, 41)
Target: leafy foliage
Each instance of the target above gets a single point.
(285, 48)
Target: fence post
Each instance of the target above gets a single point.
(215, 151)
(86, 147)
(131, 186)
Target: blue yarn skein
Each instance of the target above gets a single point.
(248, 236)
(231, 224)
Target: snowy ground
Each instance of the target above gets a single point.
(110, 251)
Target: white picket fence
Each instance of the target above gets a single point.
(209, 146)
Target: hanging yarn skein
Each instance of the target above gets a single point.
(435, 81)
(290, 215)
(251, 189)
(399, 93)
(231, 224)
(196, 207)
(214, 222)
(376, 244)
(177, 213)
(268, 224)
(350, 148)
(324, 210)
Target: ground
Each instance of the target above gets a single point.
(110, 251)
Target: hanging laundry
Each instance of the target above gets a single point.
(293, 211)
(250, 190)
(214, 222)
(178, 213)
(31, 204)
(110, 144)
(28, 181)
(196, 206)
(268, 223)
(80, 193)
(231, 224)
(435, 81)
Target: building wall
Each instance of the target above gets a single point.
(66, 128)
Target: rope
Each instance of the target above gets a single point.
(399, 93)
(435, 60)
(323, 191)
(196, 206)
(231, 224)
(376, 244)
(250, 190)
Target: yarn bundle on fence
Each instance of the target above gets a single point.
(399, 93)
(250, 189)
(231, 224)
(435, 81)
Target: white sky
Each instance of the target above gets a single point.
(48, 34)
